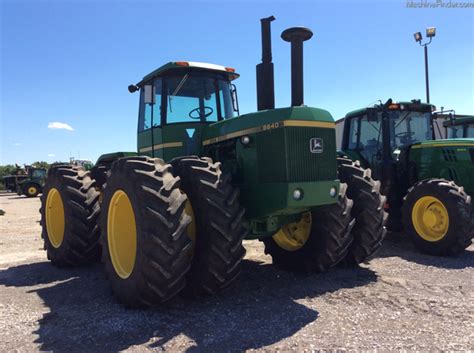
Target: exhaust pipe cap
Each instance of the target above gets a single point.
(296, 33)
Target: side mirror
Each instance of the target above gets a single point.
(133, 88)
(149, 97)
(235, 101)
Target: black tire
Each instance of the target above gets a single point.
(80, 244)
(163, 250)
(369, 230)
(218, 249)
(31, 189)
(328, 243)
(459, 208)
(99, 174)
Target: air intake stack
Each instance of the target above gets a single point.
(265, 82)
(296, 36)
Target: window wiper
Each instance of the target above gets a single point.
(178, 87)
(402, 120)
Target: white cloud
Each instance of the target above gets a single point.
(51, 154)
(58, 125)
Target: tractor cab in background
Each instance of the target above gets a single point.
(376, 136)
(459, 126)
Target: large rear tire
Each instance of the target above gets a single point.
(147, 252)
(437, 215)
(69, 212)
(217, 228)
(369, 230)
(325, 246)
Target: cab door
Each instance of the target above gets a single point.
(149, 121)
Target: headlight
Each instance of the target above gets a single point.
(333, 192)
(297, 194)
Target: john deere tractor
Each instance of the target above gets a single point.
(28, 181)
(429, 184)
(172, 216)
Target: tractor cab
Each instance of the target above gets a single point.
(379, 134)
(177, 101)
(459, 126)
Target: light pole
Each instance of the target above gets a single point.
(430, 33)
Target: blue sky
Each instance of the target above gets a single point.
(71, 62)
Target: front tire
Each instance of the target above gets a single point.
(326, 244)
(217, 224)
(437, 217)
(31, 190)
(69, 212)
(369, 230)
(146, 250)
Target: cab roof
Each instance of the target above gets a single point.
(180, 65)
(412, 105)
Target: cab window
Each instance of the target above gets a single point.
(470, 131)
(455, 131)
(150, 105)
(370, 141)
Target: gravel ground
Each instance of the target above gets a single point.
(400, 300)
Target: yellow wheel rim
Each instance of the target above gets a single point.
(55, 219)
(293, 236)
(430, 218)
(122, 234)
(191, 228)
(32, 190)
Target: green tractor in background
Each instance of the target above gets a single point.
(460, 126)
(429, 184)
(173, 216)
(28, 181)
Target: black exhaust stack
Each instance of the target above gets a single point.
(265, 83)
(296, 36)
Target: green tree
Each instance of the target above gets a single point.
(40, 164)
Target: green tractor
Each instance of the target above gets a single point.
(429, 184)
(173, 216)
(460, 126)
(28, 181)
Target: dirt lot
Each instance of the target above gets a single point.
(400, 300)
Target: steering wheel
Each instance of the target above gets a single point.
(199, 114)
(405, 137)
(404, 134)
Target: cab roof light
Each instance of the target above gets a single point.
(230, 69)
(182, 63)
(394, 106)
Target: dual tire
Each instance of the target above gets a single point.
(348, 232)
(163, 231)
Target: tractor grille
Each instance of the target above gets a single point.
(284, 155)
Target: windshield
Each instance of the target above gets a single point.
(408, 127)
(187, 98)
(38, 173)
(197, 97)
